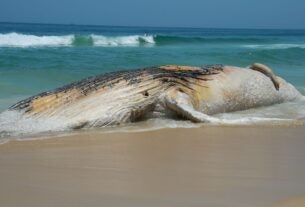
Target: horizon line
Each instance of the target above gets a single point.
(173, 27)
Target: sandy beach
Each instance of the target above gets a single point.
(208, 166)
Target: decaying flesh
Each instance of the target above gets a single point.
(190, 92)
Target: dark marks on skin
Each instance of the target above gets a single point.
(171, 76)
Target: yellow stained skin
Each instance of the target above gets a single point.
(180, 67)
(132, 94)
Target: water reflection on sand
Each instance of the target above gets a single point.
(207, 166)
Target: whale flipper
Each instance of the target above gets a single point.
(181, 103)
(268, 72)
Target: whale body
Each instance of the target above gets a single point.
(193, 93)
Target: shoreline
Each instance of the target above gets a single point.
(141, 127)
(206, 166)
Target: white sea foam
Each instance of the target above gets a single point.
(133, 40)
(26, 40)
(275, 46)
(278, 113)
(14, 123)
(23, 40)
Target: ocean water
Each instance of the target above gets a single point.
(38, 57)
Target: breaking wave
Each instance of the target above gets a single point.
(26, 40)
(133, 40)
(22, 40)
(29, 40)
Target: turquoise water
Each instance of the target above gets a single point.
(38, 57)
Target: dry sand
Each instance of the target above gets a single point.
(207, 166)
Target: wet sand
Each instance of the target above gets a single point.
(208, 166)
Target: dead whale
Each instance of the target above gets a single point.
(194, 93)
